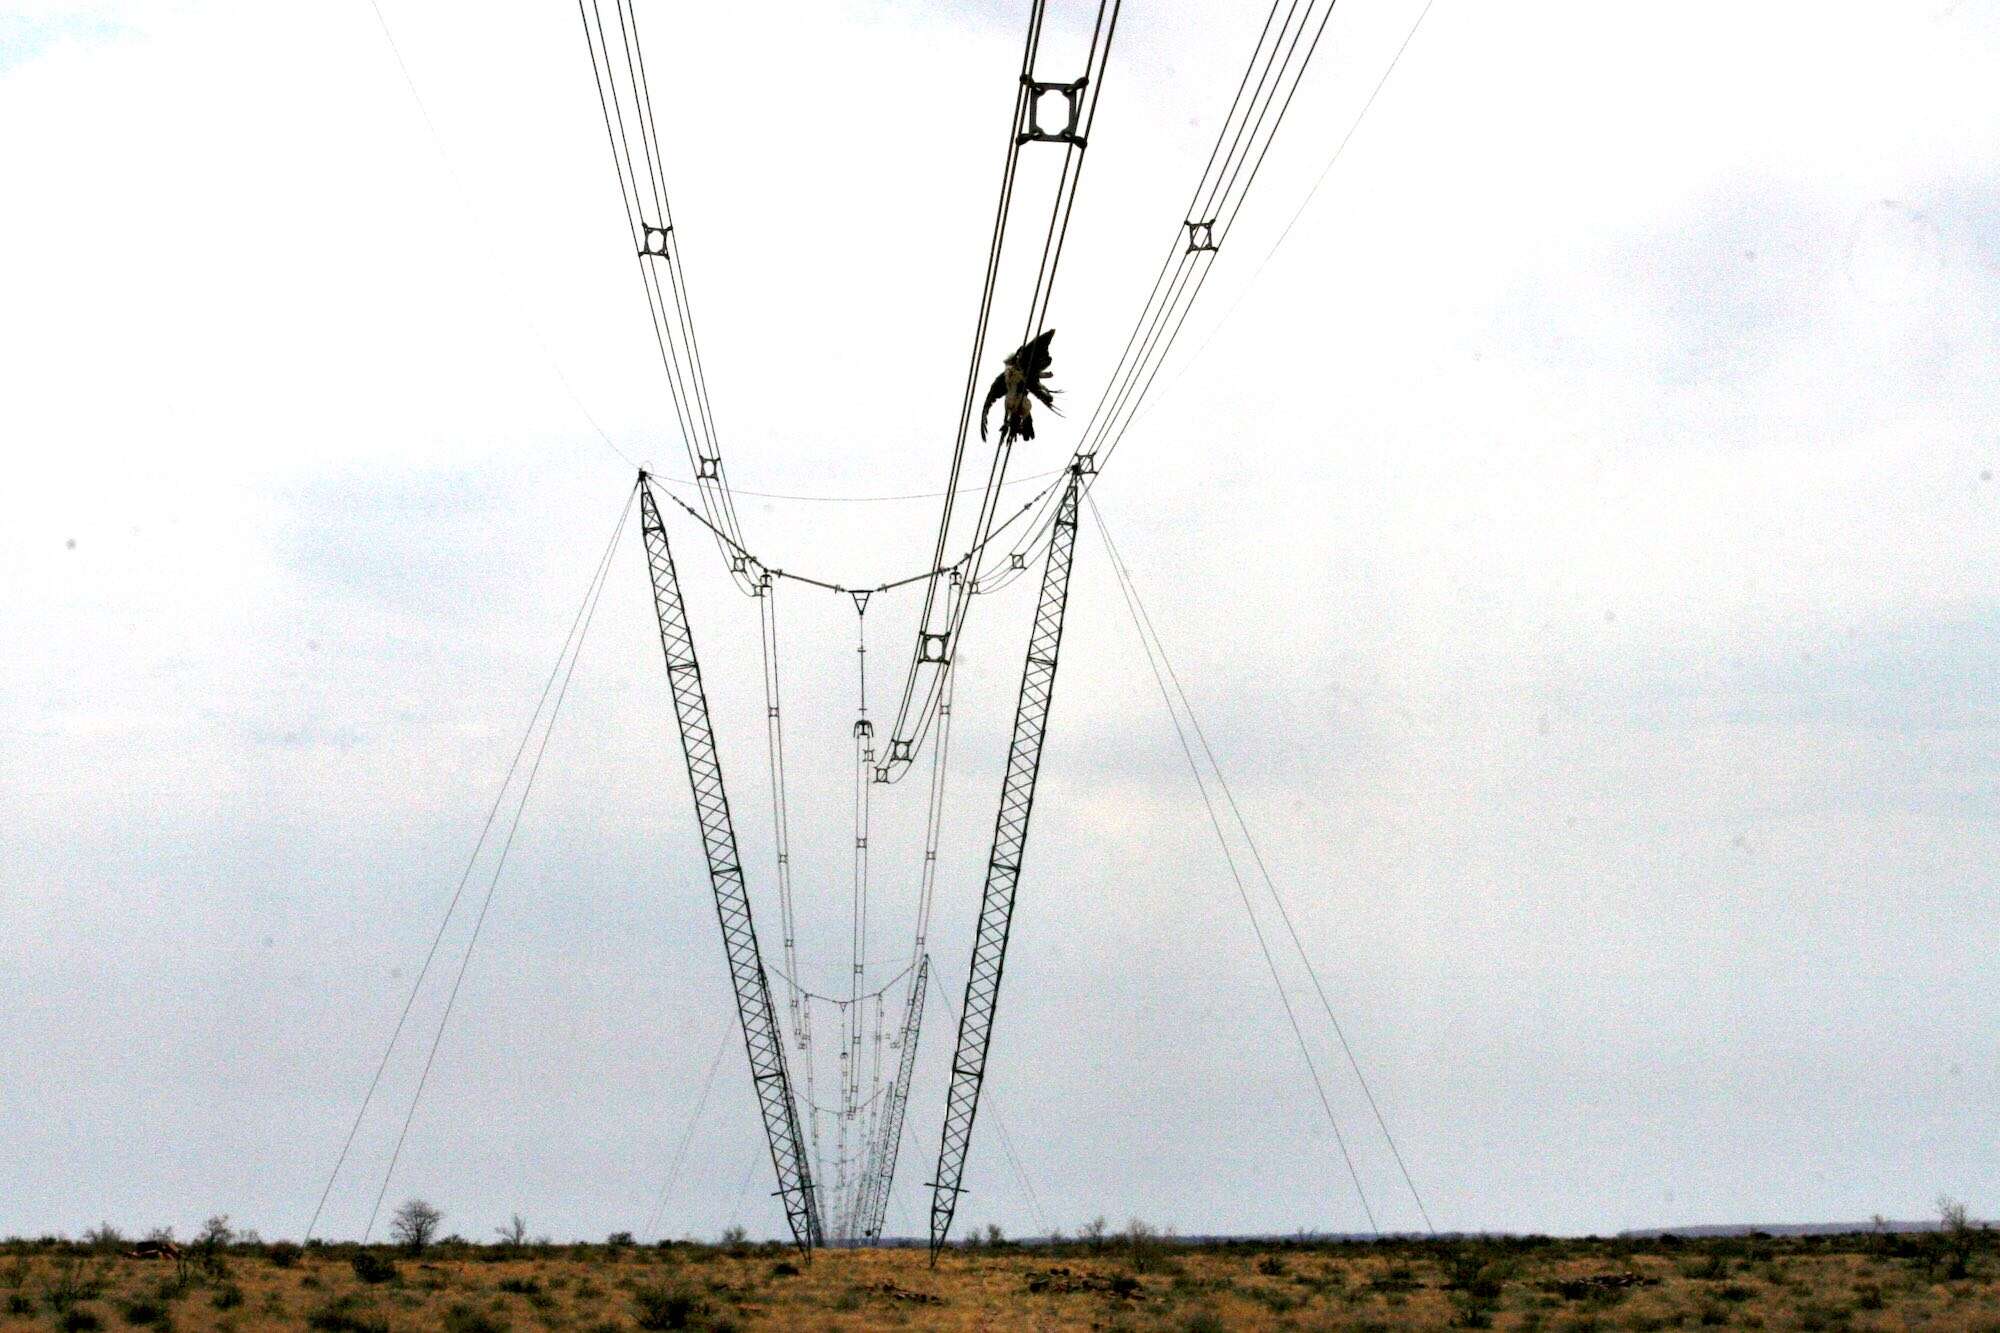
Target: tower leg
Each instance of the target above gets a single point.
(761, 1038)
(1003, 870)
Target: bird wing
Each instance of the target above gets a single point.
(1033, 359)
(993, 395)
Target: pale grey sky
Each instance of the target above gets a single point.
(1579, 540)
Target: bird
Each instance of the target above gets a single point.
(1018, 384)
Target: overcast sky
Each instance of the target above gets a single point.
(1578, 540)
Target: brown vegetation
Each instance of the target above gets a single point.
(1137, 1280)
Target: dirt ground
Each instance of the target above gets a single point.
(1844, 1282)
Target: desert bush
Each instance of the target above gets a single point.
(521, 1286)
(784, 1268)
(227, 1296)
(1955, 1238)
(373, 1268)
(1271, 1265)
(20, 1303)
(282, 1254)
(79, 1320)
(657, 1307)
(1205, 1321)
(465, 1319)
(346, 1314)
(415, 1225)
(71, 1283)
(146, 1312)
(104, 1238)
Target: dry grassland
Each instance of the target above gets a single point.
(1846, 1282)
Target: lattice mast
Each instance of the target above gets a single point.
(888, 1135)
(1003, 868)
(761, 1036)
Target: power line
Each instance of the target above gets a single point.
(1215, 822)
(499, 865)
(687, 1135)
(1136, 604)
(479, 229)
(1190, 259)
(479, 843)
(1000, 1124)
(1180, 376)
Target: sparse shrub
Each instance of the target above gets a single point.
(373, 1268)
(146, 1312)
(1954, 1238)
(465, 1319)
(620, 1240)
(282, 1254)
(346, 1314)
(1868, 1296)
(70, 1285)
(521, 1286)
(227, 1296)
(1205, 1321)
(1713, 1267)
(79, 1320)
(1271, 1265)
(1735, 1292)
(20, 1303)
(784, 1268)
(1814, 1317)
(657, 1307)
(515, 1233)
(104, 1238)
(415, 1225)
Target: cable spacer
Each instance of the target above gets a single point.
(708, 467)
(1017, 559)
(931, 647)
(739, 563)
(1086, 465)
(1201, 236)
(653, 240)
(1032, 129)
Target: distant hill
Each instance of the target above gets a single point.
(1784, 1229)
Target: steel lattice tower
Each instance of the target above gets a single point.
(761, 1037)
(1003, 868)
